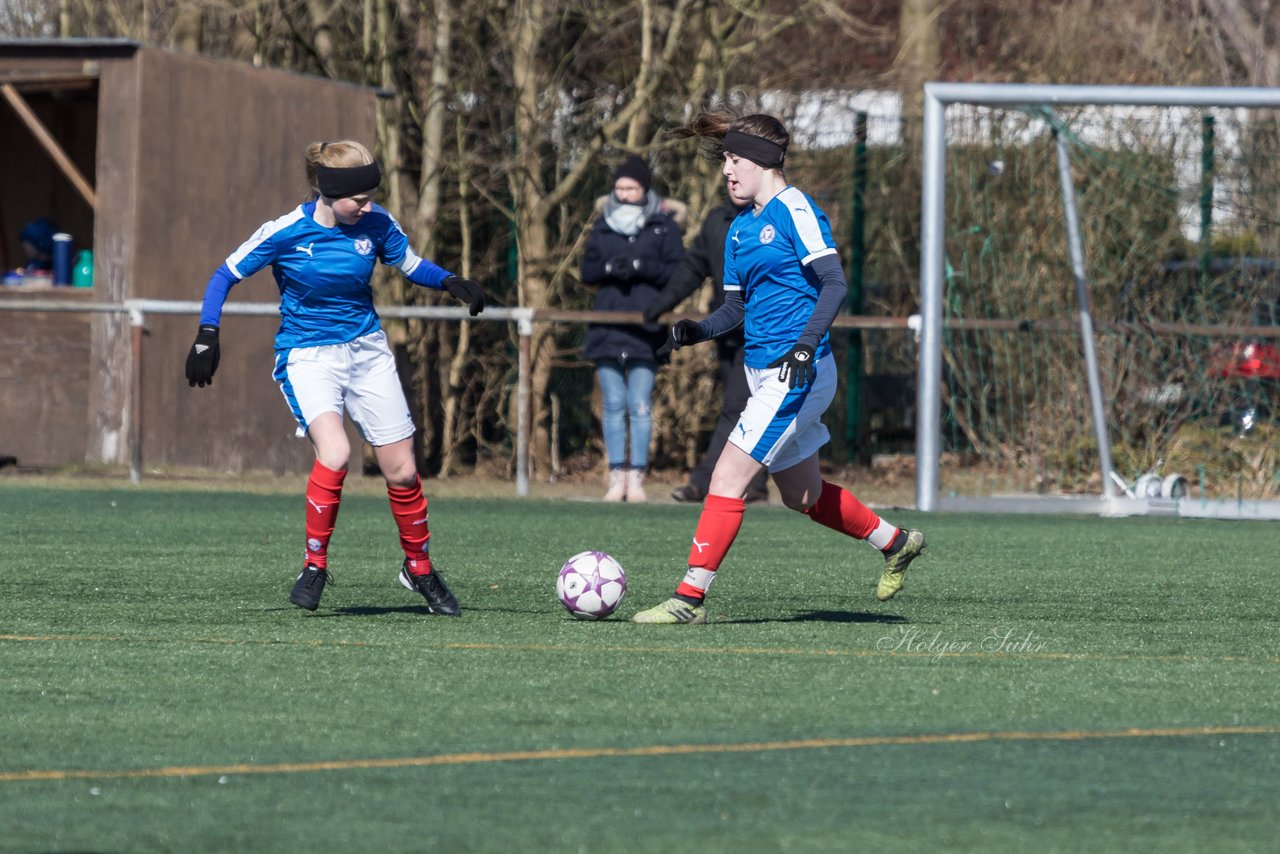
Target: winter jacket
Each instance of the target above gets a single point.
(704, 259)
(628, 272)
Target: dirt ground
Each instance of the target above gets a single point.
(888, 482)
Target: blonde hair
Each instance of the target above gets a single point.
(342, 154)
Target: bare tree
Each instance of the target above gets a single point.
(1245, 35)
(544, 62)
(541, 96)
(918, 59)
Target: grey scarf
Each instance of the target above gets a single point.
(629, 219)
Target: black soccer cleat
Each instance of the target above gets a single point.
(309, 587)
(432, 587)
(689, 493)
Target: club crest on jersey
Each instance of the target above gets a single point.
(364, 245)
(767, 234)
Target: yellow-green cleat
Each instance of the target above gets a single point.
(895, 566)
(672, 612)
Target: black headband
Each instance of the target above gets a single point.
(757, 149)
(336, 182)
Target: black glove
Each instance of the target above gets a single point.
(682, 334)
(622, 268)
(466, 291)
(796, 368)
(202, 360)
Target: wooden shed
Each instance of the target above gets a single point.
(161, 163)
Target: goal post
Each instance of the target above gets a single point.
(935, 269)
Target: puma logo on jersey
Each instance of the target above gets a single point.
(306, 249)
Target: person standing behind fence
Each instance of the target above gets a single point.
(332, 355)
(632, 250)
(704, 259)
(784, 284)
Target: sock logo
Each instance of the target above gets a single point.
(699, 578)
(701, 546)
(320, 508)
(314, 545)
(421, 521)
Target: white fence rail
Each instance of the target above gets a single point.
(138, 309)
(526, 318)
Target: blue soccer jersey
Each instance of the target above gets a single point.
(323, 274)
(767, 257)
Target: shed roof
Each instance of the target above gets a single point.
(120, 48)
(113, 47)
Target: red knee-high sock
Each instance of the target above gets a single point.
(717, 528)
(409, 507)
(840, 510)
(324, 493)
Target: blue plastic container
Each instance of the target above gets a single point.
(62, 258)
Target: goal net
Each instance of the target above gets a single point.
(1177, 225)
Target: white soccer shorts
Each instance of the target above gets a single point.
(780, 426)
(358, 377)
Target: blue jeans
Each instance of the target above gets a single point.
(627, 388)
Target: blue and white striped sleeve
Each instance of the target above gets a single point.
(812, 229)
(251, 256)
(397, 253)
(730, 281)
(259, 251)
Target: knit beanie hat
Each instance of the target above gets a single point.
(39, 233)
(636, 169)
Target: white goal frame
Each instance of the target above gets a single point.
(937, 97)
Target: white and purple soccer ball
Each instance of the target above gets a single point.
(591, 585)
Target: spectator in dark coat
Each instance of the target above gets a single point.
(705, 259)
(632, 250)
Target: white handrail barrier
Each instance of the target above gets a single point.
(138, 309)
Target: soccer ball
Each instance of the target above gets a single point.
(591, 585)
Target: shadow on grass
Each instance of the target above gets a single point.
(381, 610)
(798, 617)
(825, 617)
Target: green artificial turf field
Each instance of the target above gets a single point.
(1042, 684)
